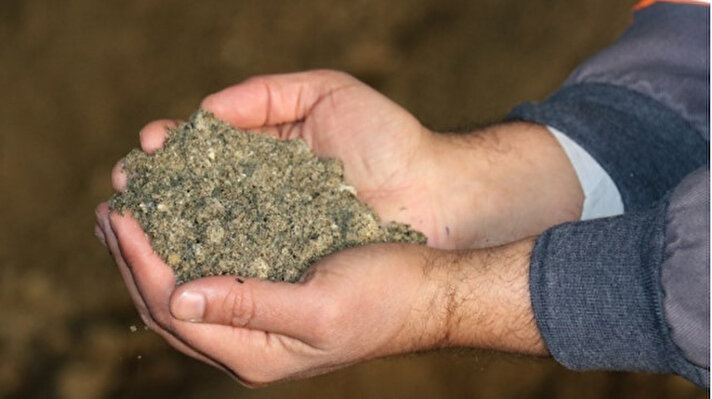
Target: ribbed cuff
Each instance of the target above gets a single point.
(596, 294)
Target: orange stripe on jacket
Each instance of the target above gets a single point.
(644, 3)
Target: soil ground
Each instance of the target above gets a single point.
(81, 77)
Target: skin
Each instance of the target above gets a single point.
(478, 197)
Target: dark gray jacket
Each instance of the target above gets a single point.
(632, 292)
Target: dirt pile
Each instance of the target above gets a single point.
(217, 200)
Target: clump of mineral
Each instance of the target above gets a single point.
(216, 200)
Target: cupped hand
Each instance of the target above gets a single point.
(388, 156)
(345, 309)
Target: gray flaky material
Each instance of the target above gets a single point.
(216, 200)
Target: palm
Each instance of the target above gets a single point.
(383, 149)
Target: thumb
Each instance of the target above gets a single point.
(274, 99)
(275, 307)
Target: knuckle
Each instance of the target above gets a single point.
(155, 129)
(238, 305)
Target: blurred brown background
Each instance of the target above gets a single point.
(79, 78)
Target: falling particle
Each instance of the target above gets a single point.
(133, 328)
(138, 357)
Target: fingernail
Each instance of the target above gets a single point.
(189, 306)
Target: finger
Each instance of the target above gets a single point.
(248, 344)
(99, 233)
(255, 358)
(102, 212)
(274, 99)
(154, 134)
(154, 278)
(118, 177)
(275, 307)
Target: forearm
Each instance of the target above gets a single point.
(503, 183)
(481, 299)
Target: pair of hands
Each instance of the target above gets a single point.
(263, 331)
(364, 302)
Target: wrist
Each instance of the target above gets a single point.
(481, 299)
(503, 183)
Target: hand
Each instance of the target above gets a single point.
(260, 331)
(387, 153)
(490, 187)
(345, 310)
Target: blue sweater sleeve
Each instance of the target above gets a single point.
(598, 295)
